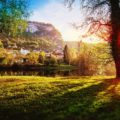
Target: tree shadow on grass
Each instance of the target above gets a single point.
(110, 110)
(93, 101)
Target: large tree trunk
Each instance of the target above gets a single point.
(115, 19)
(116, 55)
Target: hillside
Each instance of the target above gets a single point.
(38, 36)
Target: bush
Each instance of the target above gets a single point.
(1, 44)
(52, 61)
(33, 58)
(46, 62)
(41, 58)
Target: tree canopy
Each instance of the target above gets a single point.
(13, 15)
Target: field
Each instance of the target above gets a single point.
(59, 98)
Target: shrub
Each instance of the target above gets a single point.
(33, 57)
(41, 58)
(52, 61)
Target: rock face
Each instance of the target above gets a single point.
(38, 36)
(46, 36)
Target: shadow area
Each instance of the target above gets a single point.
(80, 101)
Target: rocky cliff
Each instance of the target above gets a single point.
(38, 36)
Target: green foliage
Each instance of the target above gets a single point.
(3, 52)
(12, 16)
(94, 59)
(5, 57)
(1, 44)
(70, 55)
(33, 57)
(67, 55)
(52, 61)
(41, 58)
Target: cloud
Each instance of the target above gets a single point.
(56, 13)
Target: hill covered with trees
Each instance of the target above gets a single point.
(38, 36)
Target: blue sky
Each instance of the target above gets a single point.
(38, 3)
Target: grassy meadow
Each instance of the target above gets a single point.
(59, 98)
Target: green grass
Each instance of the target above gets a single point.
(60, 98)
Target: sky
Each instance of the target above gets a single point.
(56, 13)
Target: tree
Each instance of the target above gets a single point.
(1, 44)
(41, 58)
(33, 57)
(5, 57)
(113, 23)
(13, 15)
(94, 59)
(67, 55)
(70, 55)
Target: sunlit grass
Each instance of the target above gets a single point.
(59, 98)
